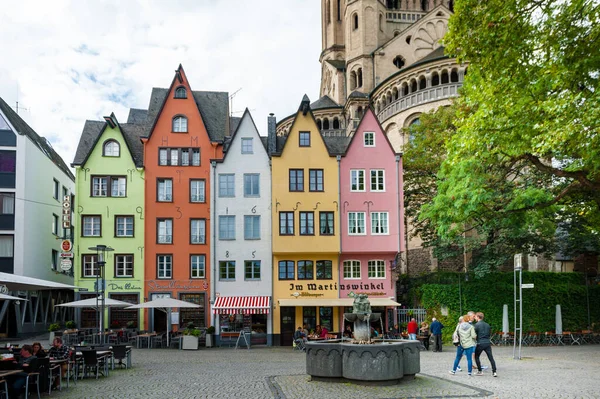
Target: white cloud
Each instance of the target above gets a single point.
(68, 61)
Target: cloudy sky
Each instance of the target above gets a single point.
(68, 61)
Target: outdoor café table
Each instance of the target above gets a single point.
(147, 336)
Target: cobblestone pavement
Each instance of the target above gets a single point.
(544, 372)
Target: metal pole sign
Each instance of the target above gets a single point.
(518, 295)
(66, 212)
(527, 285)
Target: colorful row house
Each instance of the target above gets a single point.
(264, 233)
(336, 224)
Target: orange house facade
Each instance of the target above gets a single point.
(177, 149)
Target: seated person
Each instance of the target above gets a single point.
(348, 332)
(322, 331)
(299, 334)
(374, 333)
(26, 362)
(59, 352)
(38, 351)
(395, 331)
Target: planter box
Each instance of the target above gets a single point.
(209, 341)
(189, 342)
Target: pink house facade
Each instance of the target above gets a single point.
(372, 227)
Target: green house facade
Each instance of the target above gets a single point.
(109, 204)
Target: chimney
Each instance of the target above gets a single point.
(272, 134)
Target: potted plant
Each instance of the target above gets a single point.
(189, 340)
(53, 328)
(209, 336)
(71, 325)
(131, 325)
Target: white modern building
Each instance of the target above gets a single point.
(34, 181)
(241, 221)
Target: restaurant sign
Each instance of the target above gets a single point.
(180, 285)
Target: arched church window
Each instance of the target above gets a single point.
(422, 83)
(336, 123)
(424, 5)
(319, 124)
(394, 94)
(413, 86)
(359, 78)
(339, 9)
(352, 80)
(404, 89)
(325, 124)
(444, 77)
(355, 21)
(359, 112)
(435, 79)
(412, 131)
(454, 76)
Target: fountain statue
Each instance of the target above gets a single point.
(361, 359)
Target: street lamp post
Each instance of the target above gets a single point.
(101, 251)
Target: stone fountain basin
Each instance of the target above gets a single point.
(384, 360)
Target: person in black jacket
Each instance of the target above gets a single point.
(483, 343)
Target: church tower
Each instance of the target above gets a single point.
(333, 56)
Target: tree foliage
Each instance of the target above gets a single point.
(526, 150)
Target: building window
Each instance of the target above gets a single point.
(307, 223)
(197, 191)
(251, 227)
(251, 270)
(197, 231)
(164, 266)
(304, 139)
(369, 139)
(89, 266)
(352, 269)
(54, 259)
(227, 270)
(286, 270)
(226, 227)
(356, 223)
(55, 224)
(185, 157)
(195, 156)
(251, 185)
(247, 146)
(124, 265)
(376, 269)
(92, 226)
(324, 268)
(296, 179)
(226, 185)
(55, 189)
(111, 149)
(163, 159)
(379, 223)
(7, 204)
(164, 190)
(124, 226)
(286, 223)
(315, 179)
(100, 184)
(197, 266)
(180, 124)
(309, 316)
(305, 270)
(355, 21)
(377, 180)
(326, 224)
(357, 180)
(164, 231)
(172, 156)
(180, 92)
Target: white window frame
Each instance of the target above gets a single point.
(198, 232)
(164, 190)
(251, 263)
(163, 156)
(100, 186)
(164, 228)
(226, 185)
(379, 173)
(198, 194)
(353, 222)
(180, 124)
(127, 221)
(369, 139)
(254, 220)
(247, 145)
(164, 267)
(197, 266)
(249, 181)
(376, 269)
(351, 269)
(123, 264)
(90, 265)
(227, 264)
(226, 225)
(94, 220)
(55, 224)
(121, 187)
(109, 149)
(381, 221)
(358, 173)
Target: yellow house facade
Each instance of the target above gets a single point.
(306, 228)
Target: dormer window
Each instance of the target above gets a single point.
(180, 92)
(369, 139)
(111, 149)
(180, 124)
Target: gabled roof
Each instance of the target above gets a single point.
(229, 140)
(42, 143)
(324, 102)
(92, 131)
(337, 64)
(369, 110)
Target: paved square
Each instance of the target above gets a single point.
(544, 372)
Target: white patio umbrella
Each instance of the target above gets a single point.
(11, 298)
(558, 320)
(165, 305)
(505, 326)
(96, 303)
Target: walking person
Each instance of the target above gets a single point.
(424, 330)
(482, 329)
(412, 327)
(436, 331)
(466, 346)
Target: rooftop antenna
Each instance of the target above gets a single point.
(231, 100)
(242, 111)
(17, 102)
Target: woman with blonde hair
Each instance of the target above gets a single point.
(466, 345)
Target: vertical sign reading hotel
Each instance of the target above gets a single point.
(66, 245)
(66, 212)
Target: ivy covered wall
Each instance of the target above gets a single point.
(488, 295)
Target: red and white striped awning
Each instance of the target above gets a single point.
(242, 305)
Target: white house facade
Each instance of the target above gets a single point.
(241, 224)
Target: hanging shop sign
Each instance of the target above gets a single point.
(66, 264)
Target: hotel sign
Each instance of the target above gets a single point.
(66, 212)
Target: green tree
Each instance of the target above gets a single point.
(526, 152)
